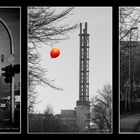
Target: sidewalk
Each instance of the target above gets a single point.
(128, 122)
(128, 114)
(6, 126)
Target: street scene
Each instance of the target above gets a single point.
(10, 97)
(129, 105)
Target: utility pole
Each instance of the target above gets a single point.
(130, 72)
(12, 64)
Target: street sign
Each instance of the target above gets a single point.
(11, 58)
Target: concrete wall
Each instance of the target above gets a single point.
(78, 117)
(68, 112)
(82, 117)
(68, 117)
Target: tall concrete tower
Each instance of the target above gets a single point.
(83, 104)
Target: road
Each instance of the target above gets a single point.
(4, 115)
(129, 123)
(4, 120)
(5, 123)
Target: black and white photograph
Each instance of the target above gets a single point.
(10, 94)
(129, 62)
(69, 70)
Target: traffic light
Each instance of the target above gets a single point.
(16, 69)
(8, 73)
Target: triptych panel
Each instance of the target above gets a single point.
(70, 56)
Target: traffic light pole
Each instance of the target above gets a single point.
(12, 100)
(12, 83)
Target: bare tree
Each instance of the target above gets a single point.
(44, 27)
(101, 109)
(129, 18)
(129, 50)
(49, 110)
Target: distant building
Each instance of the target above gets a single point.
(68, 117)
(78, 118)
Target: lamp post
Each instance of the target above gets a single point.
(43, 118)
(130, 76)
(11, 84)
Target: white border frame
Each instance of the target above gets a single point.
(20, 68)
(111, 83)
(119, 75)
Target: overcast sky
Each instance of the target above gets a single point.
(65, 69)
(11, 17)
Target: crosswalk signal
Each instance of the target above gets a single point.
(7, 73)
(8, 79)
(16, 69)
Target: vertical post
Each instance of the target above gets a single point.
(13, 99)
(12, 88)
(80, 28)
(86, 27)
(80, 60)
(42, 125)
(12, 84)
(129, 73)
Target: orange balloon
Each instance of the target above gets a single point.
(55, 52)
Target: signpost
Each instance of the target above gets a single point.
(11, 59)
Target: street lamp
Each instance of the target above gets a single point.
(43, 118)
(130, 77)
(12, 83)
